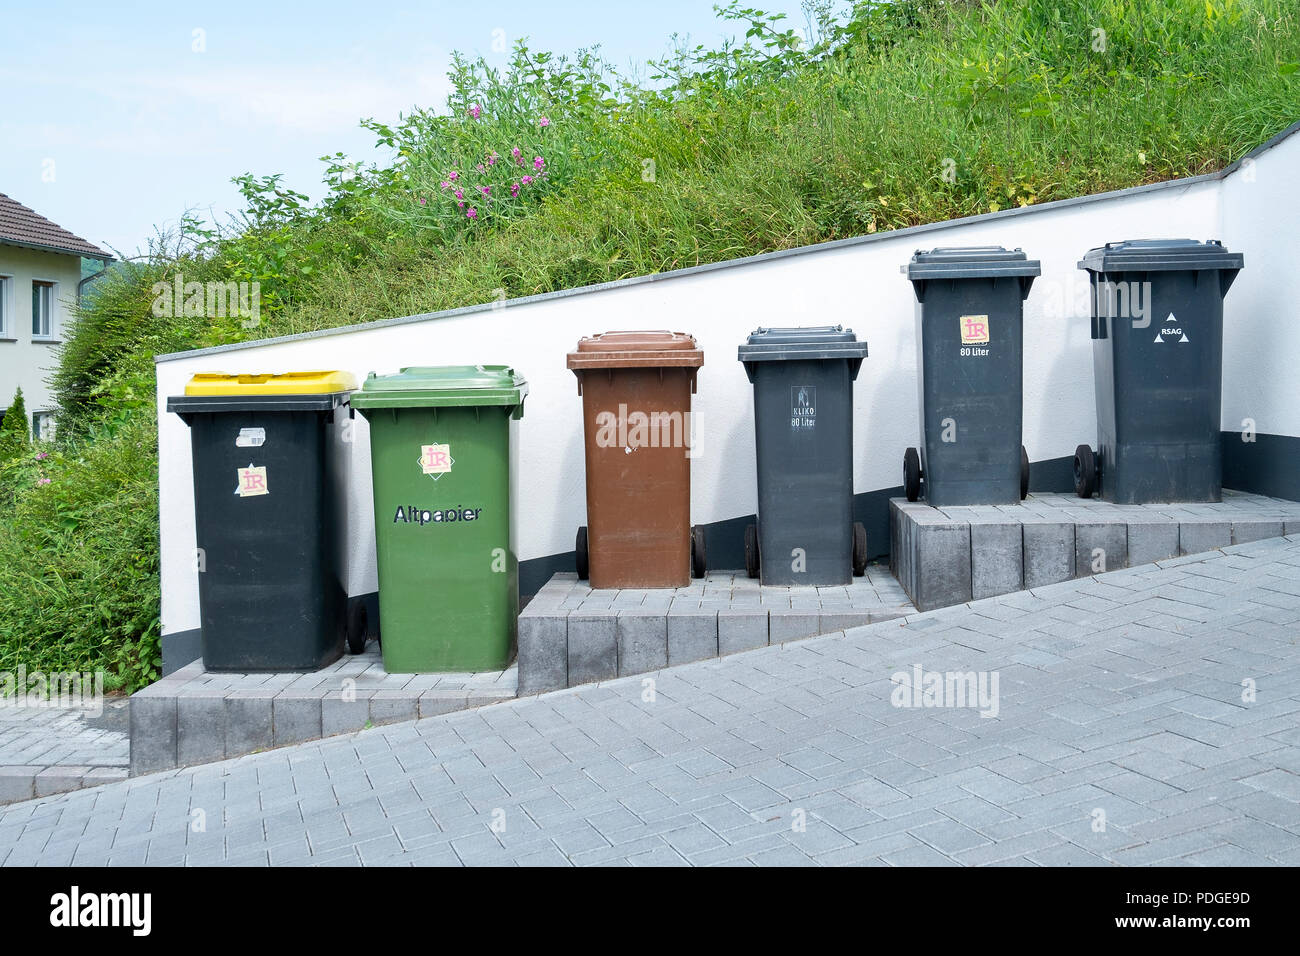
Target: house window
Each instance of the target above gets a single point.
(43, 426)
(42, 309)
(6, 307)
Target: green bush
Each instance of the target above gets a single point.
(79, 556)
(15, 439)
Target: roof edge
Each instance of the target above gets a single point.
(40, 247)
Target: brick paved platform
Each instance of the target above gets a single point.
(570, 634)
(194, 716)
(947, 556)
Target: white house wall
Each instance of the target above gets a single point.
(23, 362)
(857, 284)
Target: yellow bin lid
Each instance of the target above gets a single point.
(285, 383)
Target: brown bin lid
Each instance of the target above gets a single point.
(636, 350)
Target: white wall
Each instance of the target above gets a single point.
(857, 284)
(1260, 216)
(23, 362)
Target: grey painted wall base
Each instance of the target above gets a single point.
(570, 634)
(951, 556)
(1268, 465)
(179, 649)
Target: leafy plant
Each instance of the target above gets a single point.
(14, 436)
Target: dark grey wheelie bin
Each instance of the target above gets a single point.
(970, 310)
(269, 502)
(803, 431)
(1157, 348)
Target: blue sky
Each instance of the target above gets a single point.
(119, 124)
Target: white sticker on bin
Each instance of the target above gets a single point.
(251, 438)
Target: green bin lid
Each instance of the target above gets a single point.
(1161, 255)
(970, 262)
(443, 386)
(796, 344)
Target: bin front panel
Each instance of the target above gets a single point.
(1159, 388)
(636, 424)
(971, 345)
(270, 590)
(448, 572)
(803, 418)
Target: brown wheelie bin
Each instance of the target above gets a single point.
(636, 402)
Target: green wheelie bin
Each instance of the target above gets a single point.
(442, 441)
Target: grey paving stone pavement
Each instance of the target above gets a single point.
(50, 749)
(1145, 716)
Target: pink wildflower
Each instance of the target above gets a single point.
(42, 481)
(487, 190)
(514, 189)
(526, 180)
(538, 163)
(460, 194)
(474, 111)
(453, 175)
(543, 122)
(421, 200)
(473, 213)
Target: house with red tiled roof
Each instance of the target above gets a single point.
(40, 281)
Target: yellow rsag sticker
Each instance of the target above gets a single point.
(974, 329)
(435, 459)
(252, 481)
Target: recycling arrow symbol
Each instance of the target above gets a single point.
(1171, 327)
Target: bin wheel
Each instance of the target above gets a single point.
(912, 474)
(580, 554)
(1085, 471)
(1024, 473)
(751, 550)
(699, 563)
(358, 627)
(859, 549)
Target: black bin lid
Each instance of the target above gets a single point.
(813, 342)
(1161, 255)
(802, 344)
(970, 262)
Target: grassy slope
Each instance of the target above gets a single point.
(1011, 97)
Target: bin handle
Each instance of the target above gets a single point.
(1099, 323)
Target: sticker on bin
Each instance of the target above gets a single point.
(974, 329)
(252, 481)
(436, 460)
(251, 438)
(803, 406)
